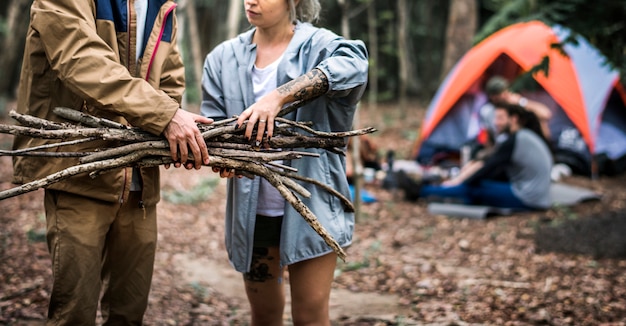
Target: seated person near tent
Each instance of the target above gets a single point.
(524, 157)
(499, 92)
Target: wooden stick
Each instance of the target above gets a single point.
(343, 134)
(31, 121)
(349, 207)
(87, 119)
(31, 150)
(228, 149)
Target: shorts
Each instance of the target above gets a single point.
(267, 231)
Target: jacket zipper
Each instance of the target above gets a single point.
(129, 5)
(156, 46)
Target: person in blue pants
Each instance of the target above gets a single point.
(524, 158)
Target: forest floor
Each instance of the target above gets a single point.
(563, 266)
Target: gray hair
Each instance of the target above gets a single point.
(306, 11)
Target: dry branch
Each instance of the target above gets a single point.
(228, 149)
(86, 119)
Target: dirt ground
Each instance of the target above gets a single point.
(564, 266)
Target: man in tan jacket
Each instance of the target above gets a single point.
(116, 59)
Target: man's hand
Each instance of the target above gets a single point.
(183, 134)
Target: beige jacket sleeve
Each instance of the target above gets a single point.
(91, 69)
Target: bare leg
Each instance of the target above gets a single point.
(264, 287)
(310, 282)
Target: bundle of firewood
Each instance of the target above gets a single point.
(227, 147)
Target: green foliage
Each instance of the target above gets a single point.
(192, 91)
(36, 235)
(3, 27)
(428, 232)
(564, 214)
(197, 194)
(602, 24)
(363, 263)
(199, 290)
(3, 113)
(508, 12)
(526, 81)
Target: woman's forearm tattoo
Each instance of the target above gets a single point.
(310, 85)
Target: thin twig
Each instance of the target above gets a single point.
(87, 119)
(30, 150)
(32, 121)
(340, 134)
(349, 207)
(228, 149)
(44, 154)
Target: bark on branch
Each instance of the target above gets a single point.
(133, 147)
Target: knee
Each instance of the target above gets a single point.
(312, 312)
(268, 311)
(310, 318)
(267, 315)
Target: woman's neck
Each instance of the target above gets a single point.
(274, 35)
(271, 43)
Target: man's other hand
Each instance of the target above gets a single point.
(183, 134)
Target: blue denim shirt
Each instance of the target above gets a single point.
(227, 91)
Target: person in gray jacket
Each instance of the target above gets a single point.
(284, 58)
(524, 158)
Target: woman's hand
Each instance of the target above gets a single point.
(224, 173)
(308, 86)
(261, 115)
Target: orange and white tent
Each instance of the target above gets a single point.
(580, 83)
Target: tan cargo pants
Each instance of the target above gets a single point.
(99, 245)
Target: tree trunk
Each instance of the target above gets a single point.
(234, 17)
(357, 166)
(403, 64)
(429, 72)
(194, 44)
(373, 55)
(345, 18)
(13, 45)
(462, 24)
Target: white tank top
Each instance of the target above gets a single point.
(264, 80)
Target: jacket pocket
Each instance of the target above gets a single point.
(42, 80)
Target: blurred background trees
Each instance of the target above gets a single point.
(412, 43)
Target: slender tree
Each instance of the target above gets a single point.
(194, 44)
(234, 18)
(357, 165)
(462, 24)
(373, 55)
(403, 62)
(13, 44)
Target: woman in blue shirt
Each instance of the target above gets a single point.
(283, 58)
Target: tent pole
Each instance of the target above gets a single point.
(594, 169)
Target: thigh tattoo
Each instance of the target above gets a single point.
(259, 268)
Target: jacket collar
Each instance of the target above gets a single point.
(303, 32)
(245, 58)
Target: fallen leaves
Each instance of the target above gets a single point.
(449, 271)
